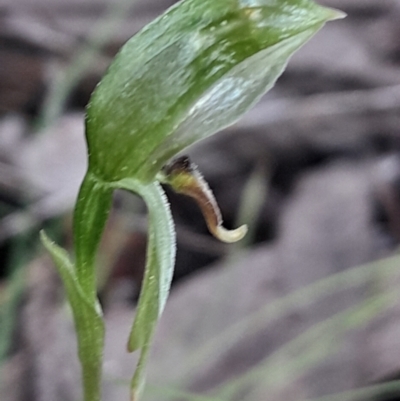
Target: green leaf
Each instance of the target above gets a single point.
(191, 72)
(87, 317)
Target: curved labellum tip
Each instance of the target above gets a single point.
(184, 178)
(225, 235)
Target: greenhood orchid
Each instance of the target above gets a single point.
(191, 72)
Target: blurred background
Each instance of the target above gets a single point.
(306, 307)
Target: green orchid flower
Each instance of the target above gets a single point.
(193, 71)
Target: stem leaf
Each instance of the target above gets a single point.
(87, 317)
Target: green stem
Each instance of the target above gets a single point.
(90, 335)
(90, 216)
